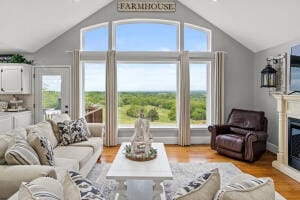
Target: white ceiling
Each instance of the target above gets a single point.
(28, 25)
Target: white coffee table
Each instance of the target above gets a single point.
(158, 170)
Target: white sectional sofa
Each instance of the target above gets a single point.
(78, 156)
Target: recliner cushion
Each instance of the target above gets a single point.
(231, 142)
(252, 120)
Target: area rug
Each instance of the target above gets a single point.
(182, 172)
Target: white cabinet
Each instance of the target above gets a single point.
(15, 78)
(22, 119)
(10, 121)
(6, 123)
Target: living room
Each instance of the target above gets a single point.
(208, 83)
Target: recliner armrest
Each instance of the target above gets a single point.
(11, 176)
(217, 130)
(96, 129)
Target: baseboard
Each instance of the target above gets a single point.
(272, 148)
(173, 140)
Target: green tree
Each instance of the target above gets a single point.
(152, 115)
(134, 111)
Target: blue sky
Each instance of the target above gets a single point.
(141, 76)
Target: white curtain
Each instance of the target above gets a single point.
(75, 85)
(219, 88)
(184, 101)
(111, 126)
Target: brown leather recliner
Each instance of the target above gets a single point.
(244, 136)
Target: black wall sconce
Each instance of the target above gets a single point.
(268, 75)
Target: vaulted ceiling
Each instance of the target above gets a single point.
(28, 25)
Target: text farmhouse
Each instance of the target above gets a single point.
(146, 6)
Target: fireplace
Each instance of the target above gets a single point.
(294, 142)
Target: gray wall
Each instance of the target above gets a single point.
(262, 99)
(239, 60)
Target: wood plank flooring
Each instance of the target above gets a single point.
(285, 185)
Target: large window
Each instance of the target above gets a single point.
(141, 88)
(146, 37)
(148, 59)
(198, 93)
(94, 91)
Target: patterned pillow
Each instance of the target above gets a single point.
(203, 187)
(43, 148)
(43, 188)
(258, 188)
(21, 153)
(73, 131)
(84, 189)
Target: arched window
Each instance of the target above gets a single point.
(94, 38)
(196, 38)
(146, 36)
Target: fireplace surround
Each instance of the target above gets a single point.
(288, 107)
(294, 142)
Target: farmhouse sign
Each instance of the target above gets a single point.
(146, 6)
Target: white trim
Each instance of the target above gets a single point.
(172, 140)
(291, 172)
(272, 148)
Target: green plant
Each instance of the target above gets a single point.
(152, 115)
(17, 58)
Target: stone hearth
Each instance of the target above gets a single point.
(287, 106)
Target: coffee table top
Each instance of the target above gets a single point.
(157, 169)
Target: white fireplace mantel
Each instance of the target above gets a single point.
(287, 106)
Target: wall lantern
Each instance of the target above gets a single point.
(268, 75)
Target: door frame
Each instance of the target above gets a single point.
(34, 84)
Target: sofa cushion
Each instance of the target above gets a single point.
(43, 188)
(73, 131)
(66, 163)
(56, 119)
(44, 129)
(81, 154)
(94, 142)
(43, 148)
(203, 187)
(258, 188)
(231, 142)
(21, 153)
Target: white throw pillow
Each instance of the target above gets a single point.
(203, 187)
(43, 188)
(257, 188)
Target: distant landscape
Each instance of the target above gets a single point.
(159, 107)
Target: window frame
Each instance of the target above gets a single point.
(144, 21)
(89, 28)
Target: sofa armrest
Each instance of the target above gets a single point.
(96, 129)
(11, 176)
(217, 130)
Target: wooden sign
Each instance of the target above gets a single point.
(146, 6)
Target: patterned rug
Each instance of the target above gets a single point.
(182, 172)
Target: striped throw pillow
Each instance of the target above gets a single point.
(86, 189)
(203, 187)
(257, 188)
(21, 153)
(43, 188)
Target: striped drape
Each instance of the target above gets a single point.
(184, 101)
(219, 88)
(75, 100)
(111, 126)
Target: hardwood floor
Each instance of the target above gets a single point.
(286, 186)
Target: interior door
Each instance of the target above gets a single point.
(52, 92)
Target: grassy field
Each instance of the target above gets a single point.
(159, 107)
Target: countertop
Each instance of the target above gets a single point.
(14, 113)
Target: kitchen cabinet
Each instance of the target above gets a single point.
(15, 78)
(13, 120)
